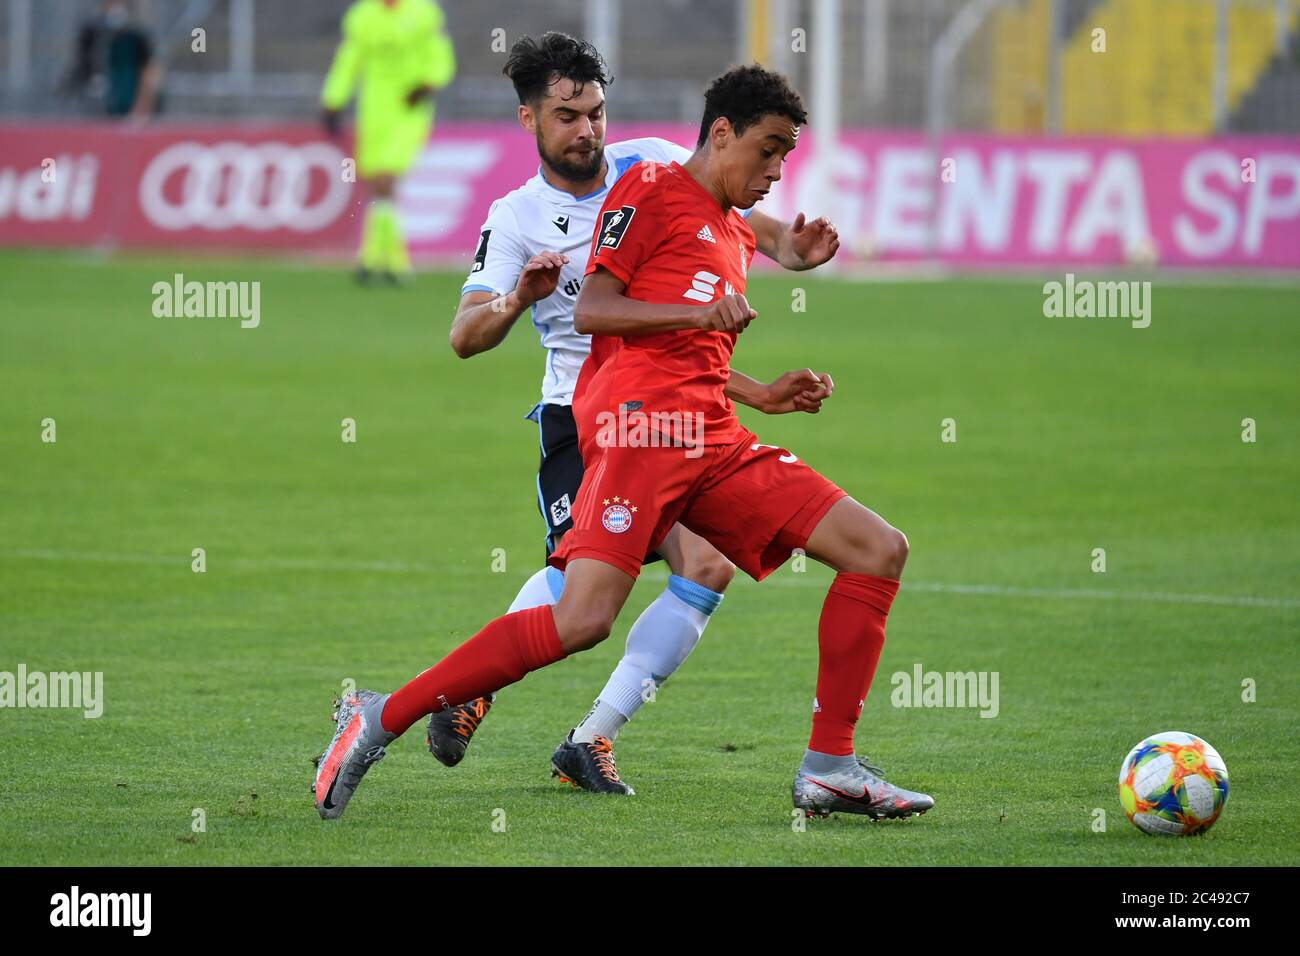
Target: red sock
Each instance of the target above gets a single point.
(500, 654)
(850, 636)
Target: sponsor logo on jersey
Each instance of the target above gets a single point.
(480, 254)
(704, 286)
(563, 223)
(706, 234)
(613, 224)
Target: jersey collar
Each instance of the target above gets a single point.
(695, 184)
(569, 197)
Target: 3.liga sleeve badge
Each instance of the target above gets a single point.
(613, 223)
(617, 516)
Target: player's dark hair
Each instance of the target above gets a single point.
(744, 95)
(533, 65)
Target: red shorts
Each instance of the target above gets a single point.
(755, 503)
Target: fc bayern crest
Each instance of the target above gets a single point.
(616, 519)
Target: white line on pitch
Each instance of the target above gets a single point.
(243, 564)
(785, 580)
(1087, 594)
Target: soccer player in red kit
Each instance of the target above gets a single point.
(664, 301)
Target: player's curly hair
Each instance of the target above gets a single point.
(745, 94)
(533, 65)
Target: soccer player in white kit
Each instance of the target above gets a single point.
(531, 256)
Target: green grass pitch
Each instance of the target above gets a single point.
(329, 561)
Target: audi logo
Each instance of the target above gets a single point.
(234, 185)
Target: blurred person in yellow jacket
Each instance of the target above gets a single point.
(394, 55)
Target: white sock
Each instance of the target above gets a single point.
(660, 640)
(544, 587)
(602, 720)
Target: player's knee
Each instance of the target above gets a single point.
(590, 630)
(582, 627)
(887, 552)
(711, 570)
(880, 551)
(896, 548)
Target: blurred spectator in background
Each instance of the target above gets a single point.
(114, 59)
(395, 54)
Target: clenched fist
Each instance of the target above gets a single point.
(731, 313)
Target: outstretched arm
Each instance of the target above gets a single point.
(802, 390)
(798, 245)
(484, 319)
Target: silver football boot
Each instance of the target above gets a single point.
(858, 788)
(359, 741)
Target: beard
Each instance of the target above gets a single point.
(573, 166)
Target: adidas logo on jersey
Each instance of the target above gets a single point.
(706, 235)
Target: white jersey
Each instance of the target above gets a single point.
(537, 217)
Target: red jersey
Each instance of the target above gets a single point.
(667, 239)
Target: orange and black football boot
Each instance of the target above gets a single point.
(589, 766)
(450, 730)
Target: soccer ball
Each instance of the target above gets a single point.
(1173, 784)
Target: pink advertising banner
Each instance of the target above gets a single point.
(967, 200)
(985, 200)
(210, 186)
